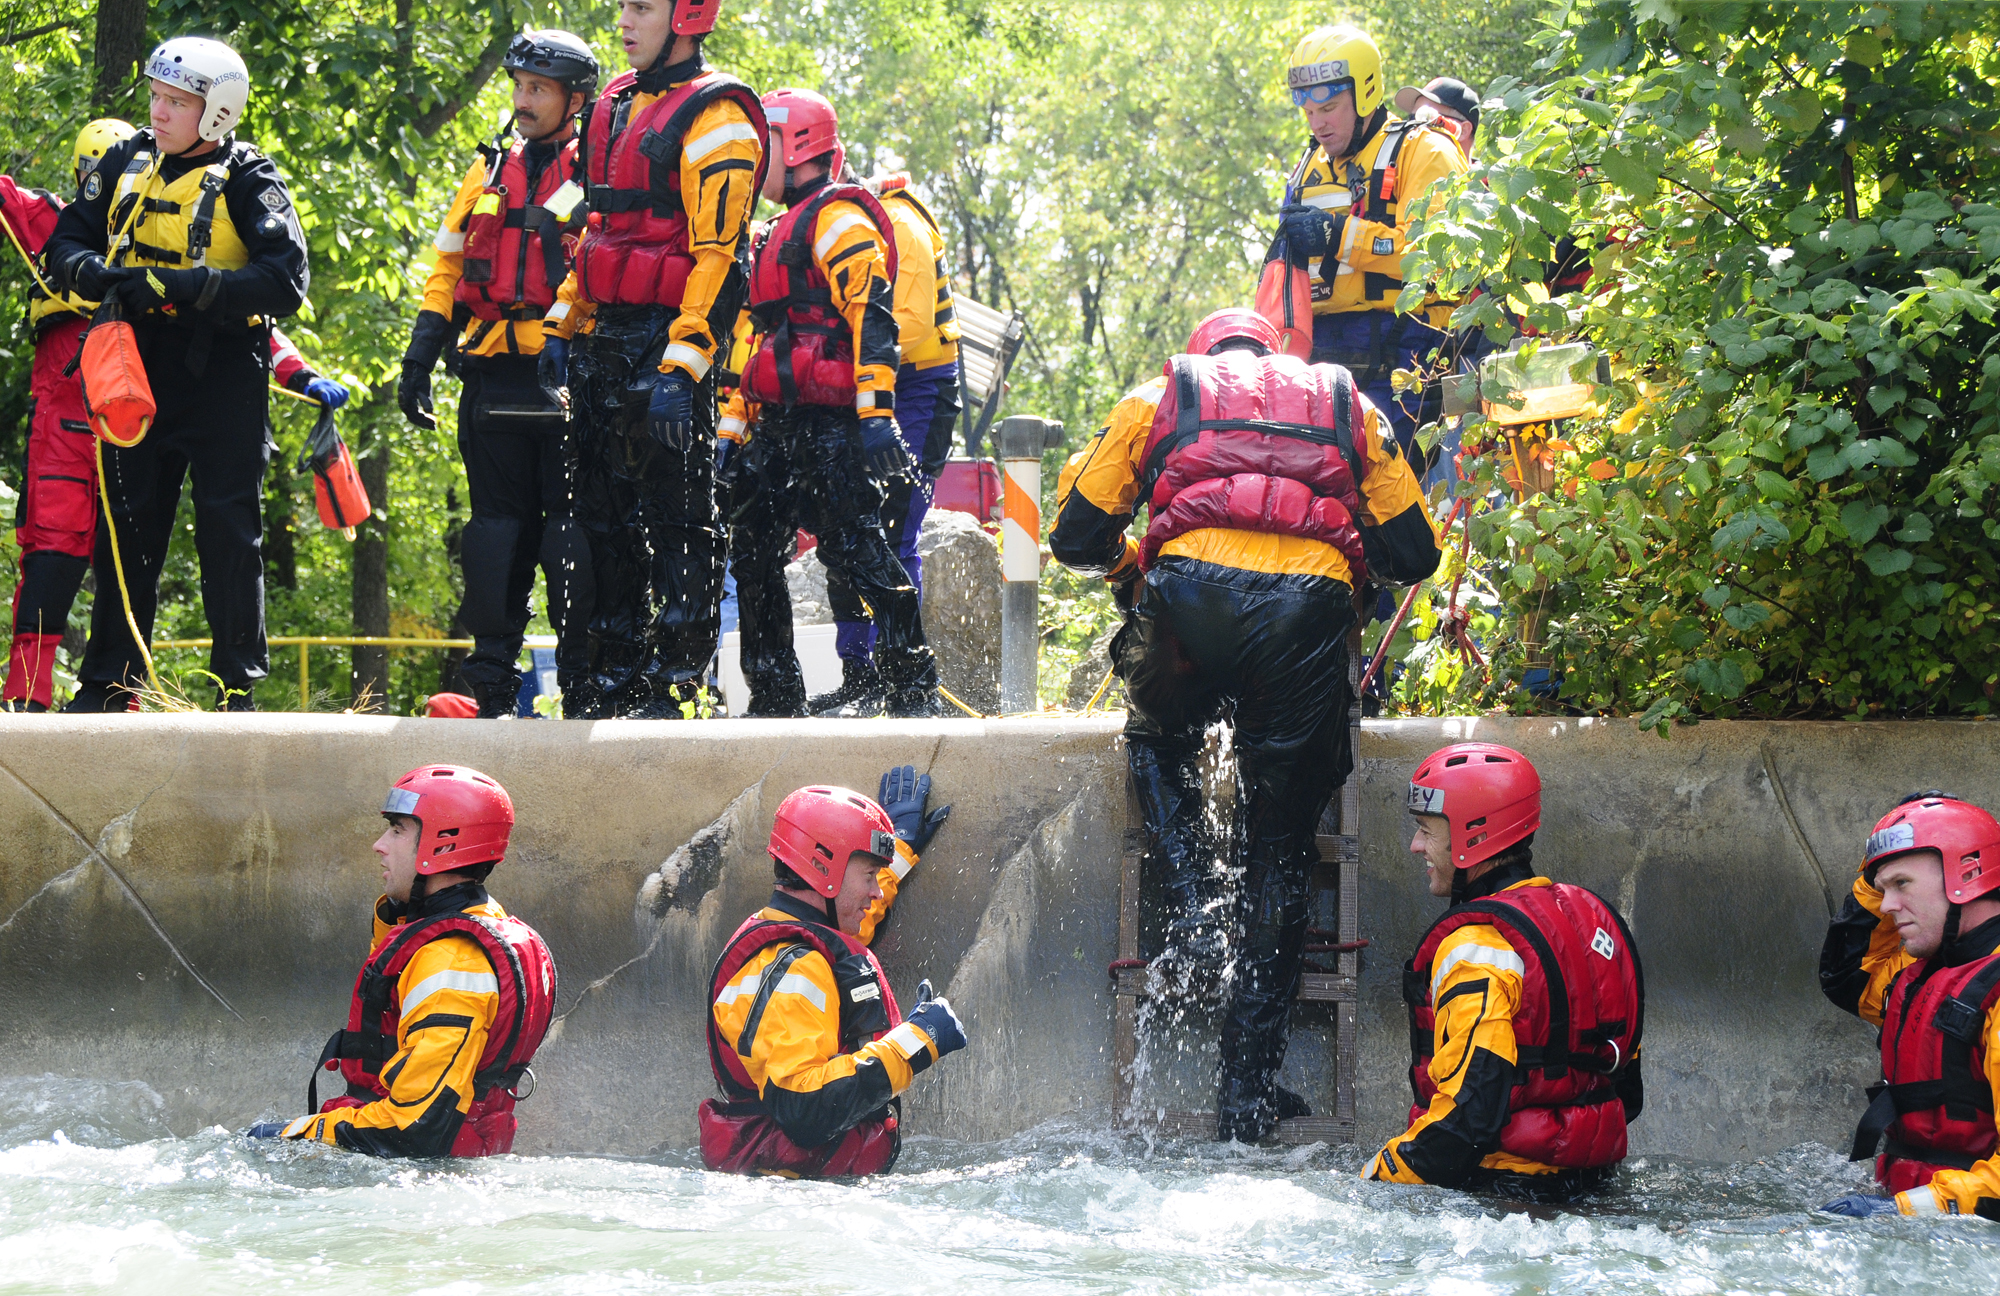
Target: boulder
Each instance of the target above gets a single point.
(1089, 673)
(962, 583)
(806, 576)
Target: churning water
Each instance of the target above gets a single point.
(96, 1194)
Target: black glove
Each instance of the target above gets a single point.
(904, 793)
(267, 1129)
(93, 277)
(670, 414)
(552, 370)
(1125, 591)
(882, 448)
(428, 337)
(1861, 1206)
(1311, 233)
(149, 287)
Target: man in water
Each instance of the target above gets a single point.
(456, 995)
(1915, 952)
(804, 1035)
(1526, 999)
(1273, 488)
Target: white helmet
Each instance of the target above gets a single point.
(207, 68)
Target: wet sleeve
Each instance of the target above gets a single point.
(1428, 155)
(888, 880)
(719, 167)
(1098, 490)
(1975, 1191)
(275, 281)
(448, 996)
(287, 365)
(1397, 537)
(1476, 985)
(449, 243)
(853, 255)
(85, 225)
(815, 1092)
(1861, 956)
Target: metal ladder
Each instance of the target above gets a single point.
(1336, 879)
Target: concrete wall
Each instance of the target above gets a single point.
(143, 856)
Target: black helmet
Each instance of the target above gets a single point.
(554, 54)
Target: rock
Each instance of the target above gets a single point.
(1089, 672)
(806, 577)
(962, 583)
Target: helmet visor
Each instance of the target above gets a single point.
(1324, 92)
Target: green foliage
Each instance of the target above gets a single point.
(1789, 506)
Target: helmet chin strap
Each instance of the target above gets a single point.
(833, 913)
(1951, 916)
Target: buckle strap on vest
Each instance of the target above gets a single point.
(1189, 425)
(1961, 1019)
(1897, 1150)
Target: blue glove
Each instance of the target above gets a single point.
(936, 1019)
(882, 447)
(904, 793)
(1861, 1206)
(552, 370)
(725, 454)
(327, 392)
(670, 416)
(1311, 232)
(268, 1129)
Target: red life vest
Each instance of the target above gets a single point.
(806, 356)
(1934, 1100)
(514, 256)
(1583, 1005)
(636, 252)
(527, 975)
(1254, 443)
(738, 1134)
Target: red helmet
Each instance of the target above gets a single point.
(807, 126)
(465, 816)
(1232, 324)
(818, 829)
(1962, 834)
(1489, 794)
(695, 17)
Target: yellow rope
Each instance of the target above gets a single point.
(1100, 690)
(297, 396)
(118, 563)
(15, 239)
(948, 696)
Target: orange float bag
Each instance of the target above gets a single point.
(1284, 297)
(343, 502)
(116, 394)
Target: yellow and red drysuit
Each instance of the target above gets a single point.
(1493, 1113)
(429, 1098)
(1864, 970)
(1252, 612)
(825, 1085)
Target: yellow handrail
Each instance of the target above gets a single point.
(306, 643)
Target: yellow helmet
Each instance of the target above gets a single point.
(92, 142)
(1339, 58)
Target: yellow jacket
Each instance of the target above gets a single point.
(1466, 1025)
(447, 997)
(718, 214)
(1097, 493)
(1949, 1191)
(853, 255)
(926, 314)
(1369, 273)
(815, 1090)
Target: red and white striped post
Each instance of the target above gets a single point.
(1021, 441)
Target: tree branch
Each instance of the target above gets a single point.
(433, 121)
(16, 38)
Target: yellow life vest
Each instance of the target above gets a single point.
(1365, 186)
(179, 224)
(929, 330)
(43, 308)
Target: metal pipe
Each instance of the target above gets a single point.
(1021, 440)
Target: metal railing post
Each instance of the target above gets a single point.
(305, 678)
(1021, 440)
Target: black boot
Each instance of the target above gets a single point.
(581, 700)
(500, 700)
(21, 704)
(1245, 1106)
(665, 702)
(235, 698)
(916, 703)
(861, 691)
(96, 698)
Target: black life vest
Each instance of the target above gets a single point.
(1583, 1005)
(636, 250)
(1254, 443)
(738, 1134)
(526, 973)
(514, 246)
(806, 355)
(1934, 1101)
